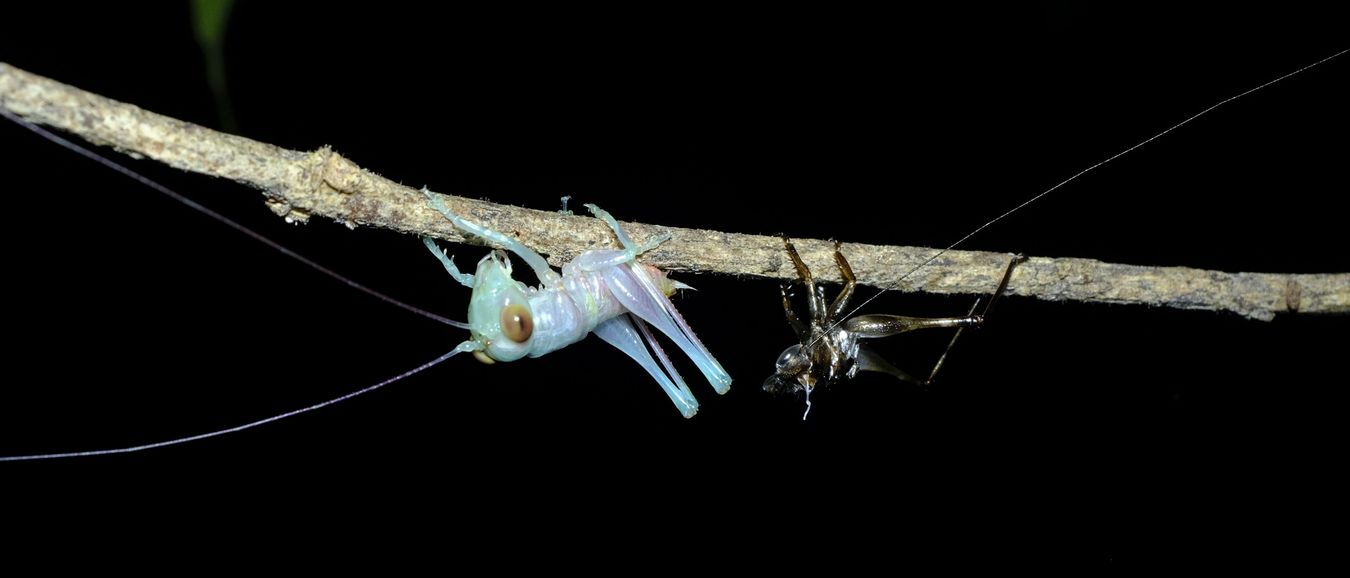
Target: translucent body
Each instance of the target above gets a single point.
(606, 292)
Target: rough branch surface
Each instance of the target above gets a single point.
(300, 184)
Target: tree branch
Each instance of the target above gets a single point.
(300, 184)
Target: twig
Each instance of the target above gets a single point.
(300, 184)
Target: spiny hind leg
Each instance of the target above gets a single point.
(871, 326)
(623, 333)
(877, 325)
(630, 248)
(1002, 286)
(881, 325)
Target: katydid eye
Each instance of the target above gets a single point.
(788, 356)
(517, 324)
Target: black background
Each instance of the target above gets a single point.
(1102, 434)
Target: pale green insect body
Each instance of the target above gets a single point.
(511, 320)
(606, 292)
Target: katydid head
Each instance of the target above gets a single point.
(792, 372)
(815, 362)
(500, 318)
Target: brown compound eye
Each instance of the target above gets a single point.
(517, 323)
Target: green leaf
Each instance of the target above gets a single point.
(208, 21)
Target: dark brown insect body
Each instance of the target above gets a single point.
(830, 350)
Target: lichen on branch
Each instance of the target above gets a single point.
(298, 185)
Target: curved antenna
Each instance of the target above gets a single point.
(465, 346)
(1038, 197)
(147, 181)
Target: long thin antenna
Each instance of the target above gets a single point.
(249, 425)
(147, 181)
(1075, 176)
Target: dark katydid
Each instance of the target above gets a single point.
(830, 346)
